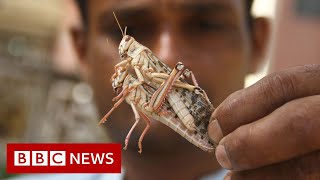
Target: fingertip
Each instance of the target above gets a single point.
(222, 157)
(214, 131)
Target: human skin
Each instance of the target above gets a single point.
(210, 37)
(271, 129)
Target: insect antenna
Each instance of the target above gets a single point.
(118, 23)
(125, 30)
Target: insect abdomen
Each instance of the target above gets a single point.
(180, 108)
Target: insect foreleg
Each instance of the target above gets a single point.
(104, 119)
(120, 94)
(120, 64)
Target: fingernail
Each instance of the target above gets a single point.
(214, 131)
(222, 157)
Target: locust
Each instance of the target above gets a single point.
(155, 91)
(127, 87)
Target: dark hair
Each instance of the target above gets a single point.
(83, 7)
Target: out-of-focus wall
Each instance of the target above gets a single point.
(40, 101)
(27, 30)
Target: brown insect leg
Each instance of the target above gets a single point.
(144, 117)
(104, 119)
(120, 94)
(160, 94)
(177, 84)
(120, 64)
(193, 79)
(137, 117)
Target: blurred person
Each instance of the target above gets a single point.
(218, 40)
(220, 37)
(64, 55)
(269, 130)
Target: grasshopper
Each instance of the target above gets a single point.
(127, 87)
(149, 69)
(155, 91)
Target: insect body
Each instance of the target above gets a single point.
(155, 91)
(137, 95)
(150, 69)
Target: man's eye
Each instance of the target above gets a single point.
(210, 26)
(205, 26)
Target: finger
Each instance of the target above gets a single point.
(305, 167)
(260, 99)
(290, 131)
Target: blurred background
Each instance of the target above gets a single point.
(42, 98)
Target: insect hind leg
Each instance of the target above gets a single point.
(160, 94)
(137, 118)
(144, 117)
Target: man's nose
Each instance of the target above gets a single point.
(165, 48)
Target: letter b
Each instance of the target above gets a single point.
(22, 158)
(39, 158)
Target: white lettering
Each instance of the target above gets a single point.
(39, 158)
(91, 158)
(96, 158)
(74, 158)
(85, 156)
(57, 158)
(109, 158)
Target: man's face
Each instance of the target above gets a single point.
(210, 37)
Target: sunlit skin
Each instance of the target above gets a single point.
(210, 37)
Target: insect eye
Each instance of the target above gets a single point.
(127, 38)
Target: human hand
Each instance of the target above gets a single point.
(272, 128)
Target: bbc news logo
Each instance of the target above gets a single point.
(58, 158)
(63, 158)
